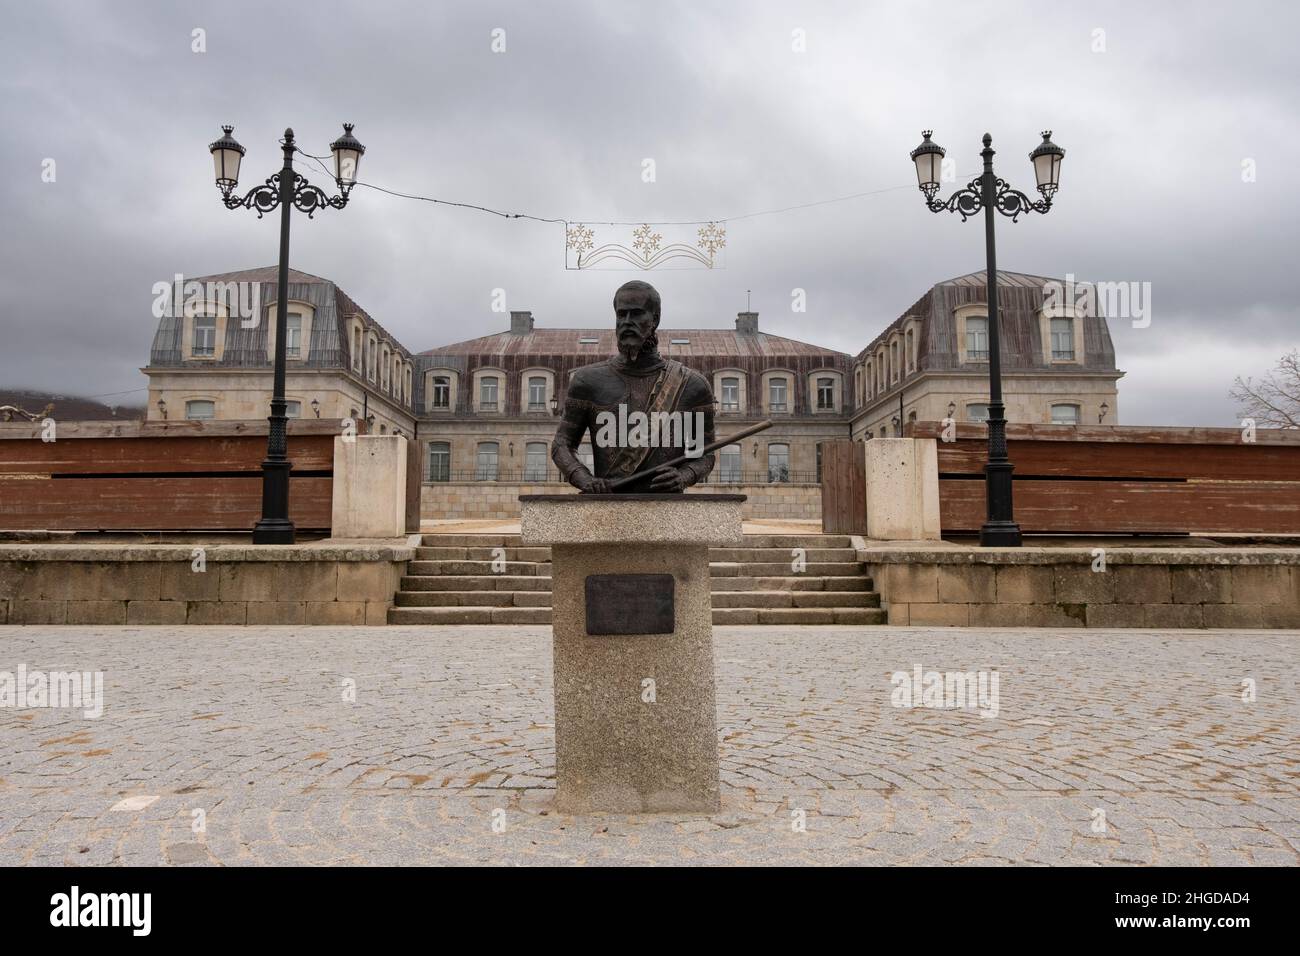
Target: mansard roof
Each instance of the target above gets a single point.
(1020, 305)
(329, 346)
(600, 343)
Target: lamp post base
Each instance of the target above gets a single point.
(274, 527)
(1000, 534)
(273, 531)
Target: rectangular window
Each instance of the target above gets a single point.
(731, 394)
(729, 464)
(825, 393)
(1065, 414)
(977, 338)
(776, 395)
(1063, 340)
(535, 461)
(200, 410)
(439, 461)
(441, 392)
(293, 335)
(977, 413)
(293, 409)
(485, 467)
(205, 336)
(536, 393)
(487, 394)
(778, 462)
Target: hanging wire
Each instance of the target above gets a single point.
(606, 222)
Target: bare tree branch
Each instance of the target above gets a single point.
(1275, 399)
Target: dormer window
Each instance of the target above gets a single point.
(826, 393)
(293, 335)
(205, 336)
(777, 390)
(588, 341)
(731, 394)
(487, 396)
(977, 338)
(441, 392)
(679, 341)
(1063, 340)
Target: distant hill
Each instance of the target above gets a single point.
(70, 408)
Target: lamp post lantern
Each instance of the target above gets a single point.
(992, 195)
(289, 191)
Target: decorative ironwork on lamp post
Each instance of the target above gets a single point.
(288, 190)
(992, 195)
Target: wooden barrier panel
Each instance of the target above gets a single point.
(1125, 478)
(164, 476)
(844, 488)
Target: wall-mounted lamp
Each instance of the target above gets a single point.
(1104, 409)
(315, 406)
(952, 409)
(162, 409)
(555, 405)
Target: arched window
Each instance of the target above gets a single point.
(729, 464)
(535, 461)
(977, 412)
(778, 462)
(485, 465)
(439, 461)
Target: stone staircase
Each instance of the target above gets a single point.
(452, 581)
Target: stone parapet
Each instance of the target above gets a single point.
(333, 582)
(953, 585)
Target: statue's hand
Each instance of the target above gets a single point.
(667, 480)
(590, 485)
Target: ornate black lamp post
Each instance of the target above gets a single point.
(992, 194)
(287, 190)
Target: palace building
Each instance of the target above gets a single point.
(483, 410)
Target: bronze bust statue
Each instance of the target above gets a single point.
(642, 410)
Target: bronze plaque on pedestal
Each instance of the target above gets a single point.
(629, 603)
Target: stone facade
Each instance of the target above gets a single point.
(482, 409)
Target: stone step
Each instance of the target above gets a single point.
(799, 615)
(797, 582)
(722, 615)
(511, 553)
(469, 615)
(821, 599)
(764, 569)
(773, 555)
(478, 567)
(476, 582)
(469, 540)
(473, 598)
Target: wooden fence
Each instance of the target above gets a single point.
(1125, 478)
(844, 488)
(158, 476)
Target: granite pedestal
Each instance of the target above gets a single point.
(635, 713)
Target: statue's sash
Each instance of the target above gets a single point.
(664, 396)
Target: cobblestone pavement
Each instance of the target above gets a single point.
(237, 746)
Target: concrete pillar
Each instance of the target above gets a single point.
(632, 621)
(369, 487)
(902, 489)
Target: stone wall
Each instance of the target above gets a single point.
(159, 584)
(1057, 587)
(491, 500)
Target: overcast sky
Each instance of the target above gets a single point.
(1156, 128)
